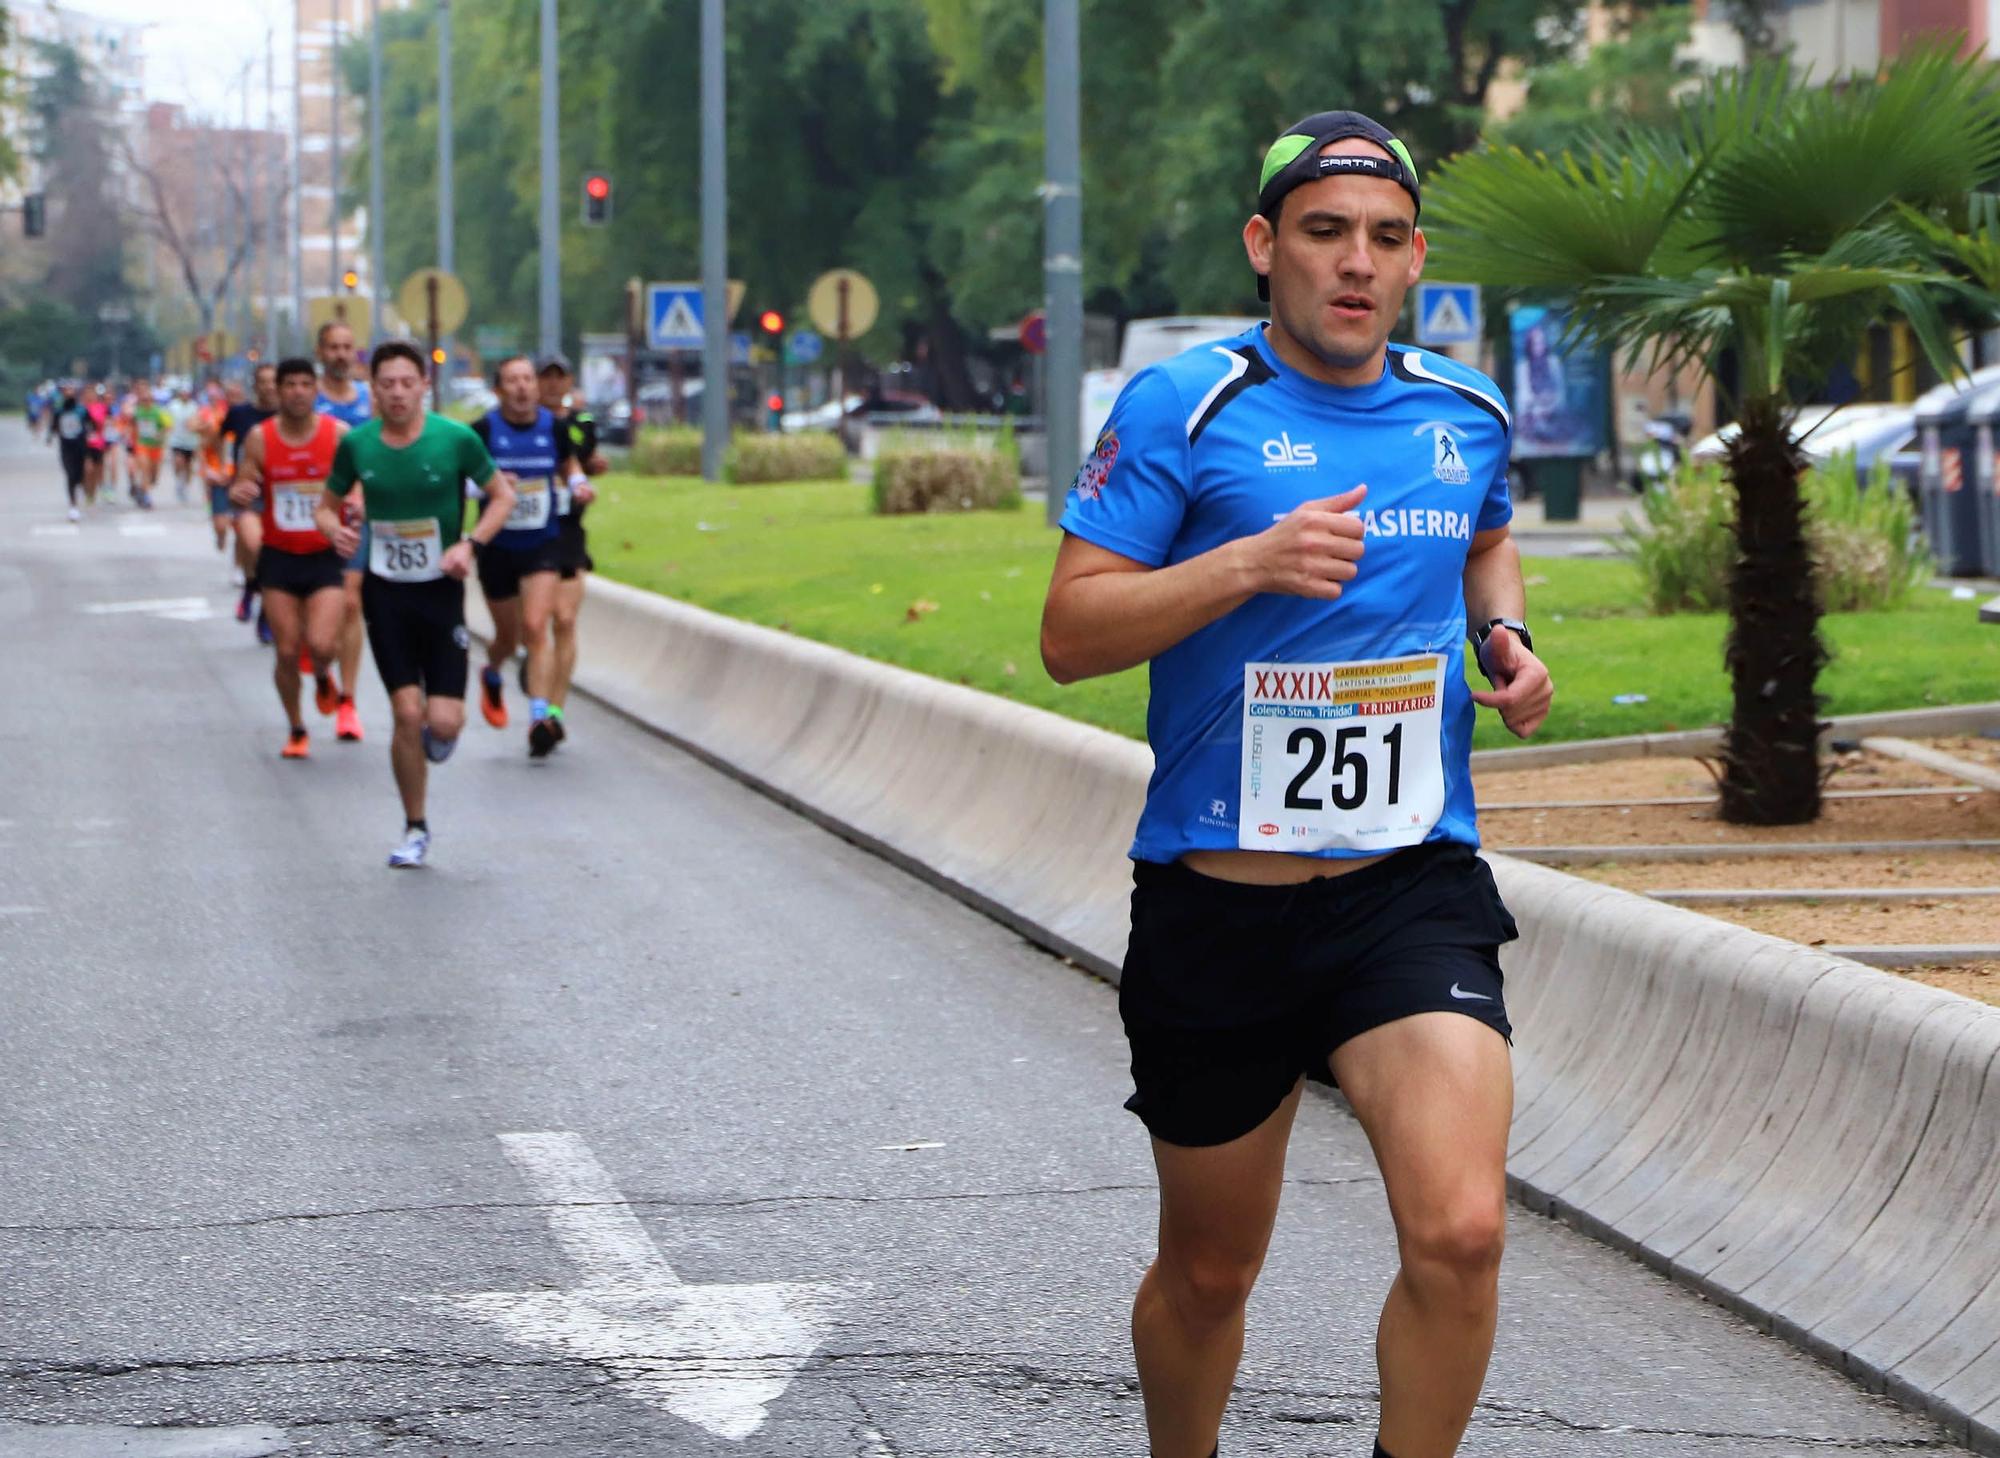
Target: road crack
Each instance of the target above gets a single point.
(750, 1203)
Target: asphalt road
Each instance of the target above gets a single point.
(834, 1166)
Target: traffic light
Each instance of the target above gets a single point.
(437, 356)
(351, 279)
(596, 199)
(771, 322)
(34, 215)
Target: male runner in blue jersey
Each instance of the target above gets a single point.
(1293, 527)
(349, 401)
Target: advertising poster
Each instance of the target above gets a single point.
(1558, 387)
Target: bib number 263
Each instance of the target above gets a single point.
(1343, 756)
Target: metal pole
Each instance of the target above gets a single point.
(298, 182)
(1062, 247)
(551, 331)
(246, 313)
(333, 159)
(447, 244)
(378, 213)
(447, 239)
(270, 199)
(714, 250)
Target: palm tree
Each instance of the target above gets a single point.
(1774, 223)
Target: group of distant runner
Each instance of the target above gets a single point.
(345, 499)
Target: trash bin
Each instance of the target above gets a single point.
(1947, 493)
(1559, 479)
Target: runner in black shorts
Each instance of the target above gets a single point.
(282, 469)
(518, 572)
(573, 564)
(1308, 902)
(414, 466)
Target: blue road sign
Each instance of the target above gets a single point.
(803, 347)
(673, 315)
(1448, 313)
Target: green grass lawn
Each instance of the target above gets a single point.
(960, 597)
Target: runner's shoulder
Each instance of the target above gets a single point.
(1457, 386)
(1173, 385)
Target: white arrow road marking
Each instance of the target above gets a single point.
(142, 529)
(55, 529)
(710, 1355)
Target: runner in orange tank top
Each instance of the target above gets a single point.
(285, 461)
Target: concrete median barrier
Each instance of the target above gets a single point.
(1813, 1143)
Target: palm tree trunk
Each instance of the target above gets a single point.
(1770, 754)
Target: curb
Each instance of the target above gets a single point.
(1810, 1142)
(1949, 719)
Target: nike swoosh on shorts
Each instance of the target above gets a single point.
(1463, 995)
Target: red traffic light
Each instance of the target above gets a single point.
(771, 322)
(597, 185)
(776, 402)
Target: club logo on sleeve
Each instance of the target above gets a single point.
(1286, 454)
(1447, 453)
(1092, 475)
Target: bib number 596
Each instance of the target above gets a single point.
(1349, 783)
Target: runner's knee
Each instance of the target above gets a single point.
(409, 713)
(447, 718)
(1460, 1243)
(1206, 1287)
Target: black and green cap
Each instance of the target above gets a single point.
(1294, 159)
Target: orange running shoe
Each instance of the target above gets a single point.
(491, 704)
(326, 694)
(298, 745)
(305, 660)
(347, 723)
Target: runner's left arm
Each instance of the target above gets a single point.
(340, 481)
(1522, 688)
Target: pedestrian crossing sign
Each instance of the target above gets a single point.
(1448, 313)
(673, 314)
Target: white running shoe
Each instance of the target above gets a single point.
(75, 515)
(411, 852)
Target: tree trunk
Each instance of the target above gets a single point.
(1770, 754)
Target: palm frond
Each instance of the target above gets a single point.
(1504, 217)
(1830, 159)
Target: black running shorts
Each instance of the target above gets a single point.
(501, 569)
(299, 573)
(572, 554)
(1231, 992)
(416, 630)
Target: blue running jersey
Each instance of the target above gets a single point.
(531, 453)
(358, 411)
(1220, 442)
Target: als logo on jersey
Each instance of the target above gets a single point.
(1093, 473)
(1447, 455)
(1286, 454)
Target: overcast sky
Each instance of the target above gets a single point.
(195, 50)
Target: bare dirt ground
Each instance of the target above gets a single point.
(1931, 921)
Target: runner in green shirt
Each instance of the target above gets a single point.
(411, 468)
(150, 424)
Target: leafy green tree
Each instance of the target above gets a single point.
(1769, 226)
(1635, 76)
(73, 142)
(10, 160)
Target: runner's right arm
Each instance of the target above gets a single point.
(249, 472)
